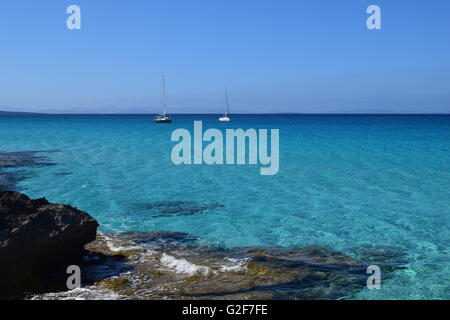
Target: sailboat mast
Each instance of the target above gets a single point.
(226, 98)
(164, 95)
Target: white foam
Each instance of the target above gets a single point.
(237, 265)
(111, 245)
(87, 293)
(183, 266)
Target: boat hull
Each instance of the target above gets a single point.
(162, 120)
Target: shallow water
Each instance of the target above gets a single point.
(345, 182)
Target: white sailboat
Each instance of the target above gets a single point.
(226, 117)
(163, 118)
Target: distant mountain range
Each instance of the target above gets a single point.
(14, 112)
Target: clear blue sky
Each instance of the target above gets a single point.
(310, 56)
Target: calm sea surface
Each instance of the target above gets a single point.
(345, 182)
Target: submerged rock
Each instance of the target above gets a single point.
(37, 239)
(14, 160)
(9, 180)
(172, 265)
(23, 159)
(176, 208)
(388, 258)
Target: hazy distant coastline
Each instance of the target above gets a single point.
(237, 113)
(15, 112)
(212, 114)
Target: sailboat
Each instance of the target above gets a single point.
(163, 118)
(225, 117)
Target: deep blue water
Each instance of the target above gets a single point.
(345, 182)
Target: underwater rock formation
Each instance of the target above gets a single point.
(23, 159)
(176, 208)
(172, 265)
(39, 240)
(15, 160)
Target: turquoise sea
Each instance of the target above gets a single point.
(345, 182)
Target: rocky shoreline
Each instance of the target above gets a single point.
(39, 240)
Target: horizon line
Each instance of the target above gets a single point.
(4, 112)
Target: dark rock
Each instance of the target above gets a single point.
(176, 208)
(37, 239)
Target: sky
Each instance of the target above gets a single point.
(299, 56)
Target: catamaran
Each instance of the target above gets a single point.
(163, 118)
(226, 117)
